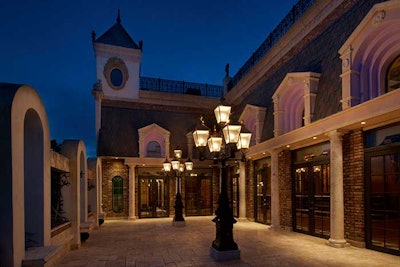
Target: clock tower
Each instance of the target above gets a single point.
(118, 60)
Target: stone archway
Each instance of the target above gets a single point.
(33, 180)
(25, 172)
(75, 201)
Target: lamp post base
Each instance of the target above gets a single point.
(178, 223)
(225, 254)
(178, 218)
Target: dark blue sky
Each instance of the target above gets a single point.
(47, 44)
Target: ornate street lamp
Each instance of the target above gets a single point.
(179, 168)
(223, 143)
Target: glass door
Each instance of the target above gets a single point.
(235, 196)
(383, 199)
(153, 197)
(198, 195)
(312, 199)
(263, 196)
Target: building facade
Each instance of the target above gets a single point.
(319, 96)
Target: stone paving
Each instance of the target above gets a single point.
(155, 242)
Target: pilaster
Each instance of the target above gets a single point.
(132, 187)
(242, 190)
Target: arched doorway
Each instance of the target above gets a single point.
(33, 180)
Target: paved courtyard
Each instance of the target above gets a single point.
(155, 242)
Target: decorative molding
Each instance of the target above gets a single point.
(295, 94)
(116, 63)
(153, 132)
(253, 118)
(379, 17)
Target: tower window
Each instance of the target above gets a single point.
(116, 77)
(116, 73)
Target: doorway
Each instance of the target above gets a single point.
(263, 196)
(263, 191)
(383, 199)
(312, 199)
(153, 197)
(198, 191)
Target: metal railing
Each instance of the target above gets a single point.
(181, 87)
(294, 14)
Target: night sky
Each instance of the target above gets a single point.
(47, 44)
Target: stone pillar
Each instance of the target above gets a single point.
(337, 205)
(132, 195)
(242, 190)
(275, 214)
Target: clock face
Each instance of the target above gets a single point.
(116, 73)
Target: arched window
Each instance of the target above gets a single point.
(117, 194)
(393, 76)
(153, 150)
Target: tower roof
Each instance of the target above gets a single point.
(117, 36)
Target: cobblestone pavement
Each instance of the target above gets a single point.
(155, 242)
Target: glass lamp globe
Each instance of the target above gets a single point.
(222, 114)
(167, 165)
(231, 133)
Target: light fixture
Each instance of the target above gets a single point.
(223, 135)
(231, 133)
(200, 134)
(222, 113)
(244, 138)
(178, 166)
(189, 164)
(215, 141)
(178, 153)
(175, 164)
(167, 165)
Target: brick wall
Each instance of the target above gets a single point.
(285, 189)
(112, 168)
(250, 205)
(353, 183)
(215, 188)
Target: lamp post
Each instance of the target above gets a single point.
(224, 140)
(178, 167)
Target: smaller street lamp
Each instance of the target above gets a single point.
(179, 167)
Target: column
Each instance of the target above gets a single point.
(132, 186)
(337, 204)
(275, 213)
(242, 191)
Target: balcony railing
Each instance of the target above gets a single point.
(181, 87)
(294, 14)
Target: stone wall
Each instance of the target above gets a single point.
(285, 190)
(353, 183)
(112, 168)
